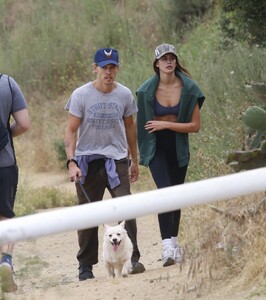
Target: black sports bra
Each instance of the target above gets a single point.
(160, 110)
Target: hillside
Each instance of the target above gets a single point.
(47, 46)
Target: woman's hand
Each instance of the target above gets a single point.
(153, 125)
(172, 124)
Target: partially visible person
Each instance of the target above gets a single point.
(168, 110)
(100, 134)
(12, 104)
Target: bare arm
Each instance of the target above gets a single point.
(131, 134)
(192, 126)
(73, 124)
(21, 122)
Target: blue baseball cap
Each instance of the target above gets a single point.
(106, 56)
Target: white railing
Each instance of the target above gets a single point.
(132, 206)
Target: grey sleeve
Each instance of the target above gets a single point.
(19, 101)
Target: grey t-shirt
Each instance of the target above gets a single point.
(8, 105)
(102, 129)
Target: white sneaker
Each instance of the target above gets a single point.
(178, 254)
(7, 279)
(168, 256)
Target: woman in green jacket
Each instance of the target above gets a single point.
(168, 110)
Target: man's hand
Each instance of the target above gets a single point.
(74, 172)
(133, 171)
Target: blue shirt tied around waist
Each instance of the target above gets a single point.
(110, 167)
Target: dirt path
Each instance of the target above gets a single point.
(46, 268)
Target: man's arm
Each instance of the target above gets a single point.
(21, 122)
(70, 140)
(131, 135)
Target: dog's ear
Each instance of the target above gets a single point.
(123, 223)
(106, 226)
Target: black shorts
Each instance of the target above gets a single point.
(8, 189)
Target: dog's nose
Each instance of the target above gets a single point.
(114, 240)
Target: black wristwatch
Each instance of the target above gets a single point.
(70, 160)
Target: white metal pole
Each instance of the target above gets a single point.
(132, 206)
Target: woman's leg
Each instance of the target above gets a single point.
(166, 172)
(178, 176)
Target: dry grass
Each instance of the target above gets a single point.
(226, 243)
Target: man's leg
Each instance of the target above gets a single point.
(8, 188)
(94, 187)
(131, 225)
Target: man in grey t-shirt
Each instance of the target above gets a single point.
(100, 134)
(12, 103)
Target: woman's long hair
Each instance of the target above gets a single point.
(178, 67)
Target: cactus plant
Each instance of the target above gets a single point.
(255, 118)
(249, 159)
(258, 90)
(254, 155)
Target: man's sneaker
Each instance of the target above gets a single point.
(85, 272)
(178, 254)
(168, 256)
(7, 279)
(137, 267)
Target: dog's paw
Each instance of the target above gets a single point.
(124, 274)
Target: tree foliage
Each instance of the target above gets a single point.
(184, 13)
(244, 20)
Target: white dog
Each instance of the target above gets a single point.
(117, 251)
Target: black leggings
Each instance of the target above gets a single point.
(166, 172)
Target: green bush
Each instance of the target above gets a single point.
(60, 150)
(244, 20)
(30, 200)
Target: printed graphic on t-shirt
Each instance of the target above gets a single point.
(104, 116)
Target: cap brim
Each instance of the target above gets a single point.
(107, 62)
(162, 54)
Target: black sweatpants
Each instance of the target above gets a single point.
(166, 172)
(95, 184)
(8, 190)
